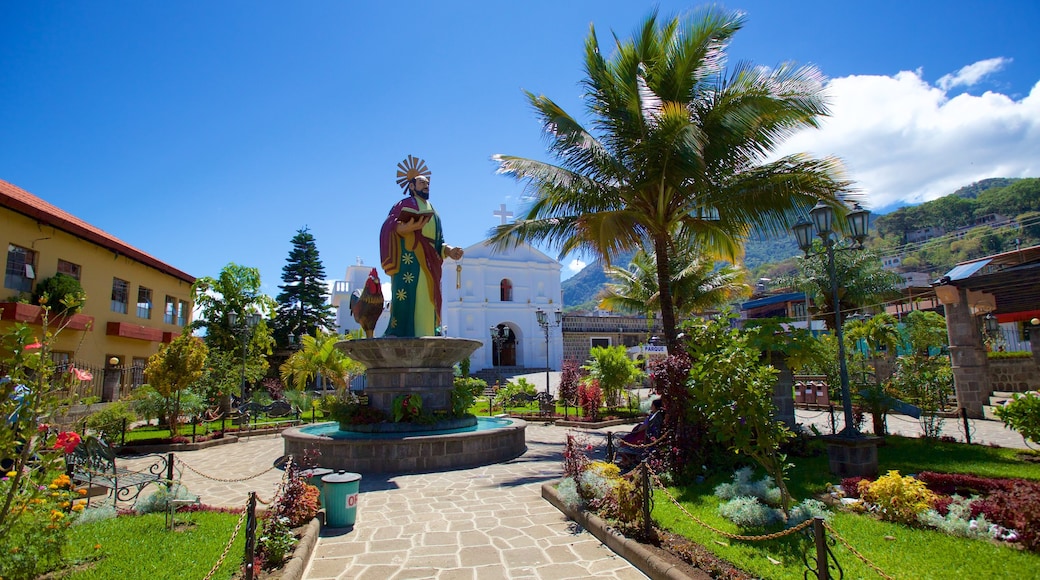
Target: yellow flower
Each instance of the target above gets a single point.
(97, 546)
(78, 507)
(82, 491)
(53, 486)
(11, 474)
(64, 504)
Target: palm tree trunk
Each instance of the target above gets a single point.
(664, 289)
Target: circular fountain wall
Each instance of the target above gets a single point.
(400, 366)
(490, 441)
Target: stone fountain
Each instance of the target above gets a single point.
(402, 366)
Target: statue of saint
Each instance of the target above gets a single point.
(412, 250)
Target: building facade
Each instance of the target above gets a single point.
(134, 301)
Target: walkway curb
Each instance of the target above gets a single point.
(637, 554)
(295, 567)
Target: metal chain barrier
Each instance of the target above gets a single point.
(227, 548)
(650, 445)
(856, 553)
(221, 480)
(773, 536)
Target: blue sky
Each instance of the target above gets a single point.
(209, 132)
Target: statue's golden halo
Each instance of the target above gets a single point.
(409, 169)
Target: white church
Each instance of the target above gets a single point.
(498, 298)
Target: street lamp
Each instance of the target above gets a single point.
(546, 323)
(245, 331)
(823, 219)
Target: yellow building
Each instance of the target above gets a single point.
(135, 302)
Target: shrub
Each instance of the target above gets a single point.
(511, 389)
(963, 484)
(160, 500)
(742, 486)
(807, 510)
(899, 499)
(32, 543)
(110, 421)
(568, 490)
(275, 543)
(590, 399)
(63, 293)
(850, 486)
(1017, 508)
(575, 460)
(297, 500)
(748, 512)
(1022, 414)
(407, 407)
(570, 378)
(465, 393)
(955, 519)
(95, 514)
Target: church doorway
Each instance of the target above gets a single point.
(503, 353)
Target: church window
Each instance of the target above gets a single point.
(506, 287)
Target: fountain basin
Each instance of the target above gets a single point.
(489, 441)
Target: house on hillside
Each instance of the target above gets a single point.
(135, 302)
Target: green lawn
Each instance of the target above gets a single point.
(898, 550)
(141, 547)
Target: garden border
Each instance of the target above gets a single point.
(645, 558)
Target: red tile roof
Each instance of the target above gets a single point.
(21, 201)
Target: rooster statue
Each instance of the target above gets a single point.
(366, 304)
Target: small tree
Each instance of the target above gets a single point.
(570, 379)
(731, 387)
(63, 293)
(174, 369)
(613, 369)
(318, 356)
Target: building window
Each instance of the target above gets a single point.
(144, 302)
(20, 268)
(61, 360)
(506, 290)
(69, 269)
(170, 313)
(599, 341)
(182, 313)
(120, 295)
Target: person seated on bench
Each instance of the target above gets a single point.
(647, 431)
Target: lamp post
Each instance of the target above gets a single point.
(245, 331)
(546, 323)
(823, 219)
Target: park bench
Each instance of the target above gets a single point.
(282, 410)
(93, 465)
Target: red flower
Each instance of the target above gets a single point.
(67, 440)
(43, 427)
(81, 374)
(33, 346)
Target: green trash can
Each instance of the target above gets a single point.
(313, 477)
(341, 497)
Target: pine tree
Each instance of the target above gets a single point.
(303, 301)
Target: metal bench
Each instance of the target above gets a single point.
(93, 465)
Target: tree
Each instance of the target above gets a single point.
(861, 281)
(303, 305)
(696, 285)
(173, 369)
(676, 153)
(235, 292)
(318, 356)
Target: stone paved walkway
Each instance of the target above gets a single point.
(482, 523)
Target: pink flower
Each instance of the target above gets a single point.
(43, 427)
(33, 346)
(67, 440)
(82, 375)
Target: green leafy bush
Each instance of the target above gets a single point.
(465, 393)
(63, 293)
(1022, 414)
(407, 407)
(513, 389)
(110, 421)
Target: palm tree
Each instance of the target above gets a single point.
(696, 285)
(318, 356)
(677, 151)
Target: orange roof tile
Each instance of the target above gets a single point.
(21, 201)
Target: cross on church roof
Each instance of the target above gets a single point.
(503, 213)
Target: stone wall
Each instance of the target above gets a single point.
(1016, 375)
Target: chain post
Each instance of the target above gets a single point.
(646, 500)
(821, 549)
(834, 424)
(967, 431)
(610, 447)
(250, 534)
(169, 468)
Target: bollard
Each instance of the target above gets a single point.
(313, 477)
(341, 497)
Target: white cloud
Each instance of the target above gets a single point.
(576, 265)
(905, 140)
(973, 73)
